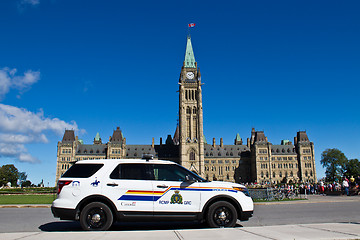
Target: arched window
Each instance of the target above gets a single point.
(194, 110)
(188, 110)
(274, 174)
(277, 150)
(291, 174)
(267, 174)
(280, 174)
(192, 156)
(231, 154)
(306, 173)
(186, 94)
(262, 174)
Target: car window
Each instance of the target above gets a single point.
(131, 171)
(169, 172)
(82, 170)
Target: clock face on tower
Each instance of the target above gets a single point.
(189, 75)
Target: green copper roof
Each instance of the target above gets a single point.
(81, 141)
(189, 55)
(238, 138)
(97, 137)
(205, 142)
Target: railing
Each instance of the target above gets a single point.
(273, 194)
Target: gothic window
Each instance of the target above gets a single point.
(211, 154)
(267, 174)
(207, 154)
(283, 150)
(277, 150)
(291, 174)
(219, 154)
(262, 174)
(227, 177)
(186, 94)
(231, 154)
(188, 110)
(311, 173)
(194, 110)
(192, 156)
(280, 174)
(306, 173)
(274, 174)
(227, 154)
(288, 150)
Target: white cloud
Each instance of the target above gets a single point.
(9, 80)
(19, 126)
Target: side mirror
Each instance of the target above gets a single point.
(190, 179)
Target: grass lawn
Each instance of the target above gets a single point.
(27, 199)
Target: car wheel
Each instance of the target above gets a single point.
(96, 216)
(221, 214)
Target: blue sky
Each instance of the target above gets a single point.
(277, 66)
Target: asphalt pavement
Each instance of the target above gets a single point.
(339, 230)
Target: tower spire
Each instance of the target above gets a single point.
(189, 61)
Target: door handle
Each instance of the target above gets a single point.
(162, 186)
(112, 184)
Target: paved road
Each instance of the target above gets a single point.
(317, 210)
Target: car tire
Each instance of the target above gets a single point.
(221, 214)
(96, 216)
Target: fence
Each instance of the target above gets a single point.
(271, 194)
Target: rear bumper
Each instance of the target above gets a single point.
(246, 215)
(64, 213)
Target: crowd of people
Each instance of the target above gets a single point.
(348, 186)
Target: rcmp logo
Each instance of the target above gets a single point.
(176, 198)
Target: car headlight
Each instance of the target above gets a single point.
(243, 190)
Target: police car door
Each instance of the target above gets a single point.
(130, 188)
(172, 193)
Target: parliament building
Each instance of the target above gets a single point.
(257, 160)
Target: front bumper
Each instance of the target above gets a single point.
(64, 213)
(246, 215)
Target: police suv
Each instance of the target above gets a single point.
(100, 192)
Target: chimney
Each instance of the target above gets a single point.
(221, 143)
(153, 143)
(214, 142)
(160, 141)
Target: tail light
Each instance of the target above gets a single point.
(61, 184)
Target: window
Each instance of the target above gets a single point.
(192, 156)
(274, 174)
(131, 171)
(82, 170)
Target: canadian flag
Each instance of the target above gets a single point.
(191, 24)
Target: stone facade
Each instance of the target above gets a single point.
(258, 161)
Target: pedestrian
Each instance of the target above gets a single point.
(345, 185)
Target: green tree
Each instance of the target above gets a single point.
(9, 173)
(335, 163)
(352, 168)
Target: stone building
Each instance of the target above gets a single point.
(256, 161)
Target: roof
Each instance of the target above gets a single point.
(97, 137)
(302, 136)
(117, 136)
(189, 61)
(92, 149)
(228, 151)
(137, 151)
(69, 136)
(283, 150)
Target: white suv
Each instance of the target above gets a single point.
(99, 192)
